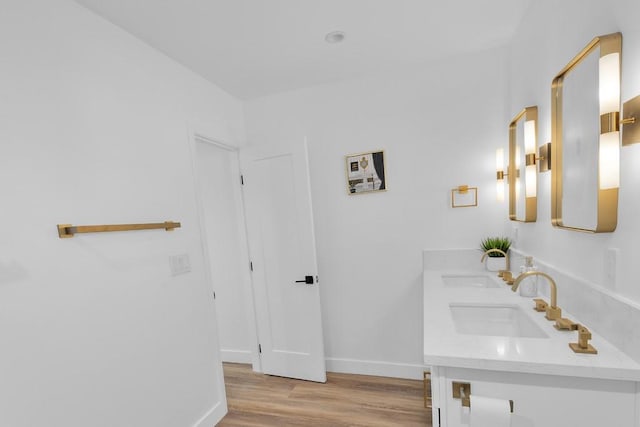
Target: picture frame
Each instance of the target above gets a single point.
(366, 172)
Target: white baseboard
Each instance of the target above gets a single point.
(236, 356)
(212, 417)
(380, 369)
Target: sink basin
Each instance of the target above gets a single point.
(494, 320)
(469, 281)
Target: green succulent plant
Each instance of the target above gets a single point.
(502, 243)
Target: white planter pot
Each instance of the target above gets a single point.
(496, 263)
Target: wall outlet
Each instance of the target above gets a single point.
(179, 264)
(611, 256)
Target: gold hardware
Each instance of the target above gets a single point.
(501, 273)
(607, 209)
(531, 203)
(427, 389)
(463, 190)
(583, 346)
(544, 157)
(564, 324)
(462, 391)
(62, 231)
(530, 159)
(631, 126)
(500, 175)
(67, 230)
(553, 311)
(508, 277)
(541, 305)
(610, 122)
(504, 254)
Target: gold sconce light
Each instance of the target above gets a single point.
(500, 174)
(609, 89)
(522, 149)
(541, 160)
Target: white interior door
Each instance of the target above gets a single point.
(282, 249)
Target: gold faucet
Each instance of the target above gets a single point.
(500, 252)
(553, 311)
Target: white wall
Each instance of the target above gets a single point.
(551, 35)
(439, 126)
(94, 130)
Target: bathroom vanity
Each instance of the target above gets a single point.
(478, 332)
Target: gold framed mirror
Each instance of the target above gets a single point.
(523, 177)
(585, 122)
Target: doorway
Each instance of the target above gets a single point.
(267, 314)
(224, 239)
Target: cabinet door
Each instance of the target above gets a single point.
(541, 400)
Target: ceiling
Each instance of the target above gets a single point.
(253, 48)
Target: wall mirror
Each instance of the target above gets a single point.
(523, 197)
(585, 107)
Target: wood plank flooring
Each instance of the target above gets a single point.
(345, 400)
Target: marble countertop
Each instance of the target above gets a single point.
(444, 346)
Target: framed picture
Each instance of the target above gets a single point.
(365, 172)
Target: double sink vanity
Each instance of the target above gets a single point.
(496, 358)
(482, 339)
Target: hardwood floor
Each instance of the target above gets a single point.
(345, 400)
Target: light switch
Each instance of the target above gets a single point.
(611, 256)
(179, 264)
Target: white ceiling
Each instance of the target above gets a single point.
(253, 48)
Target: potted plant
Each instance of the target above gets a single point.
(496, 261)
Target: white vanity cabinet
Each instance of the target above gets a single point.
(477, 331)
(538, 400)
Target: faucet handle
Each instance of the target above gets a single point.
(564, 324)
(583, 346)
(541, 305)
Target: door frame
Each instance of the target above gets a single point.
(196, 137)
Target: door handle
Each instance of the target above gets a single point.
(307, 279)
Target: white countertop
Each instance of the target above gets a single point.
(443, 346)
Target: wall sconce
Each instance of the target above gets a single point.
(500, 174)
(522, 149)
(530, 174)
(609, 89)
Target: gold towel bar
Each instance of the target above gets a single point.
(67, 230)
